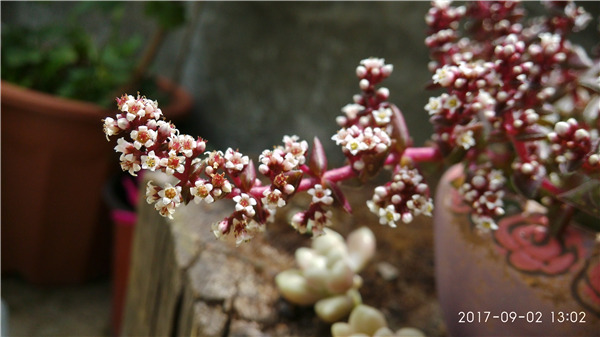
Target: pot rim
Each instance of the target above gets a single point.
(53, 106)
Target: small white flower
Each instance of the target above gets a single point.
(150, 161)
(220, 228)
(373, 62)
(123, 146)
(273, 198)
(269, 157)
(445, 75)
(297, 222)
(340, 137)
(245, 230)
(201, 191)
(352, 110)
(419, 204)
(451, 102)
(111, 127)
(382, 116)
(143, 137)
(355, 144)
(245, 203)
(152, 192)
(370, 139)
(320, 221)
(388, 216)
(550, 42)
(490, 200)
(484, 223)
(289, 162)
(173, 163)
(465, 139)
(170, 194)
(130, 163)
(497, 179)
(166, 210)
(296, 148)
(434, 106)
(321, 195)
(185, 144)
(235, 160)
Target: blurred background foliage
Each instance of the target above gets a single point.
(89, 69)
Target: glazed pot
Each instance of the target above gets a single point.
(55, 162)
(515, 281)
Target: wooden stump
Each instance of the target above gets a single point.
(185, 282)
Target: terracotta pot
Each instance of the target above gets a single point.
(55, 161)
(514, 281)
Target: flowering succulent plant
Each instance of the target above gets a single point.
(519, 109)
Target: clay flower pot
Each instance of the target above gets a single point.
(516, 280)
(55, 162)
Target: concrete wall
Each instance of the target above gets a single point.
(259, 71)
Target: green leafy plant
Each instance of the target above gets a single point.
(63, 59)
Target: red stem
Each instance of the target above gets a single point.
(417, 154)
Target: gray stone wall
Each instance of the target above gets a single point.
(259, 71)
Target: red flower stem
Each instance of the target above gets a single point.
(417, 154)
(422, 154)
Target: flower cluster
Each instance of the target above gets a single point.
(373, 132)
(571, 143)
(255, 204)
(153, 144)
(149, 142)
(483, 190)
(516, 93)
(402, 198)
(366, 124)
(316, 217)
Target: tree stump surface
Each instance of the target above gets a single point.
(183, 281)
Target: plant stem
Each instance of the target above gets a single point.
(423, 154)
(417, 154)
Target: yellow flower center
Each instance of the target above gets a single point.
(170, 193)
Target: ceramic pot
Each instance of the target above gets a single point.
(55, 162)
(515, 281)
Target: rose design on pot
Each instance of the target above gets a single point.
(528, 246)
(586, 286)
